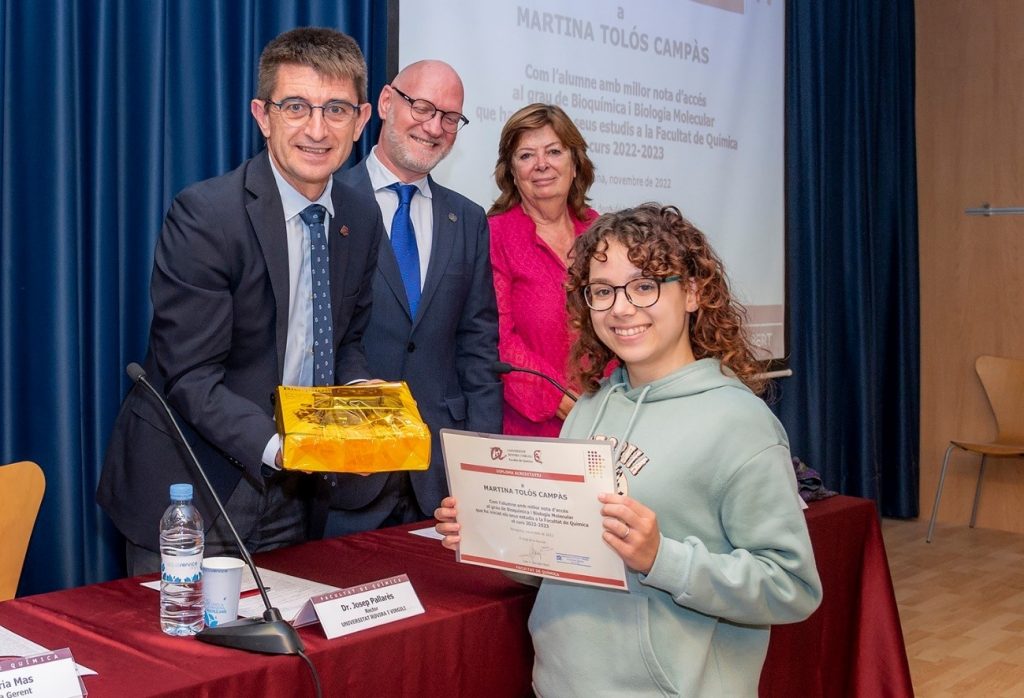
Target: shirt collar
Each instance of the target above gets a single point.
(293, 202)
(382, 178)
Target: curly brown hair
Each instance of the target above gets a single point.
(530, 117)
(660, 242)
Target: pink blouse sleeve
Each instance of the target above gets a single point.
(533, 397)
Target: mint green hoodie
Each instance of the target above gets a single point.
(713, 463)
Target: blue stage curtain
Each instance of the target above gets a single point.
(852, 406)
(110, 108)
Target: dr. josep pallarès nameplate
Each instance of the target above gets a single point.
(351, 429)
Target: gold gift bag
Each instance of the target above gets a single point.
(351, 429)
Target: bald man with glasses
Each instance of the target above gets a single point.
(434, 322)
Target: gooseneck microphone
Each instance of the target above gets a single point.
(503, 367)
(270, 634)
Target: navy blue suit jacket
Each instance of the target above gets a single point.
(217, 340)
(446, 352)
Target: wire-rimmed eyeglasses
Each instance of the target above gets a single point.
(422, 111)
(642, 292)
(296, 110)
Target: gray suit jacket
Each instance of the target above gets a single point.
(446, 352)
(217, 340)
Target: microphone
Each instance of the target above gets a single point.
(270, 634)
(503, 367)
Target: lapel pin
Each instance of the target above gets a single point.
(452, 217)
(344, 231)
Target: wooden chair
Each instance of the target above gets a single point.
(1003, 380)
(21, 492)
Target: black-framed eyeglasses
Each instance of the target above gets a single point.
(422, 111)
(642, 292)
(296, 110)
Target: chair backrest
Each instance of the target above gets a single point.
(1003, 380)
(21, 493)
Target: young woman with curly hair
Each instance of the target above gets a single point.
(663, 244)
(706, 514)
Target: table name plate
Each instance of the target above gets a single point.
(366, 606)
(45, 675)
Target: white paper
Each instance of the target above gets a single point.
(530, 505)
(427, 533)
(248, 582)
(290, 595)
(14, 645)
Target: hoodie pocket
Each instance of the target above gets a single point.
(643, 626)
(591, 641)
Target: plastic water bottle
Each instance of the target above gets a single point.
(181, 565)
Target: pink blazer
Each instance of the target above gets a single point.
(533, 326)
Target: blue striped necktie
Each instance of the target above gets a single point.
(403, 242)
(323, 326)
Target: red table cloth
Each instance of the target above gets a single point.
(472, 640)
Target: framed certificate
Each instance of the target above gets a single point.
(530, 505)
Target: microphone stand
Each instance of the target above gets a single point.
(271, 634)
(503, 367)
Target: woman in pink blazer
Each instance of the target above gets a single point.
(544, 173)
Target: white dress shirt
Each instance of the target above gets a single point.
(298, 352)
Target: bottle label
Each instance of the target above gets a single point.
(181, 568)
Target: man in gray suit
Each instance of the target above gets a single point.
(434, 320)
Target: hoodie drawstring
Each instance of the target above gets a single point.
(604, 403)
(632, 418)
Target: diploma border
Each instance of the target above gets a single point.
(606, 582)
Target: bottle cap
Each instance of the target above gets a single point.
(181, 491)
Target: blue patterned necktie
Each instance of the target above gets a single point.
(403, 242)
(323, 327)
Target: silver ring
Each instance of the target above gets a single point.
(628, 529)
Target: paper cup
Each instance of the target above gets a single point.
(222, 586)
